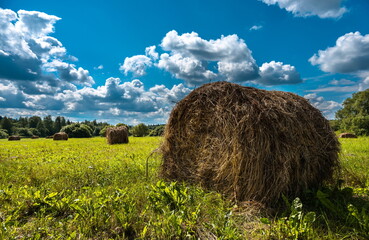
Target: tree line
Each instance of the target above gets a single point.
(47, 126)
(353, 117)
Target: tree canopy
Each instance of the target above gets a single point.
(354, 116)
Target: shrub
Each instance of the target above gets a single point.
(77, 130)
(26, 132)
(140, 130)
(3, 134)
(158, 131)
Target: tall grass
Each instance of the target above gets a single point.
(87, 189)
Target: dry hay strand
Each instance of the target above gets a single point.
(60, 136)
(14, 138)
(347, 135)
(248, 144)
(35, 137)
(116, 135)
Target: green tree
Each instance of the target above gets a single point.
(48, 124)
(7, 125)
(41, 129)
(23, 122)
(57, 124)
(354, 116)
(140, 130)
(3, 133)
(33, 121)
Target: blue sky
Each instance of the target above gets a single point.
(129, 61)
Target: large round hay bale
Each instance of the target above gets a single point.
(247, 143)
(115, 135)
(347, 135)
(14, 138)
(60, 136)
(35, 137)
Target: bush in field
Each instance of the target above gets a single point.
(26, 132)
(3, 133)
(140, 130)
(77, 130)
(103, 130)
(158, 131)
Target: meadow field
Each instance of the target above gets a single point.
(87, 189)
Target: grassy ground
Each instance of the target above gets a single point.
(87, 189)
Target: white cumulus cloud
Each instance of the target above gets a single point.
(136, 64)
(275, 73)
(327, 107)
(304, 8)
(28, 53)
(190, 58)
(349, 55)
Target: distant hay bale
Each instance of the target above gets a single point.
(347, 135)
(14, 138)
(49, 137)
(35, 137)
(248, 144)
(115, 135)
(60, 136)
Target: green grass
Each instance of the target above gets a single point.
(87, 189)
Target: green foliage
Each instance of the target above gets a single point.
(335, 125)
(157, 131)
(358, 125)
(140, 130)
(26, 132)
(361, 216)
(7, 125)
(48, 124)
(86, 193)
(34, 121)
(354, 116)
(77, 130)
(97, 191)
(103, 130)
(3, 133)
(298, 225)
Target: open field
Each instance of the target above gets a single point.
(87, 189)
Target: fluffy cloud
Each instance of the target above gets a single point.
(197, 61)
(69, 73)
(275, 73)
(151, 52)
(28, 54)
(125, 97)
(328, 108)
(189, 69)
(304, 8)
(136, 64)
(11, 97)
(35, 24)
(190, 58)
(350, 55)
